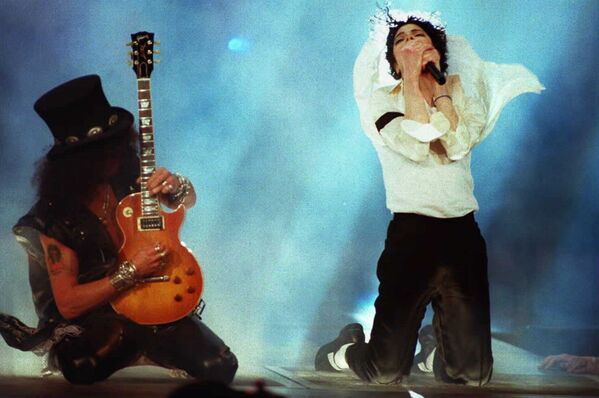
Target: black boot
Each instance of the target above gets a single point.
(352, 333)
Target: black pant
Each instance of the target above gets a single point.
(111, 342)
(442, 261)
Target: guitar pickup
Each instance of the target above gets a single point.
(150, 223)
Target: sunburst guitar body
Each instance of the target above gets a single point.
(176, 291)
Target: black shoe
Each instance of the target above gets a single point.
(428, 342)
(352, 333)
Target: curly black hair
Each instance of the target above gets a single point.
(437, 35)
(74, 176)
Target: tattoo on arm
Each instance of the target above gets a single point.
(54, 257)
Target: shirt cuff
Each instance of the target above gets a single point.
(427, 132)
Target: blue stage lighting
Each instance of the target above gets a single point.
(239, 45)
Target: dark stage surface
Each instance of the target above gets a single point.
(515, 375)
(305, 383)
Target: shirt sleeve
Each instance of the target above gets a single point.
(364, 80)
(471, 122)
(395, 134)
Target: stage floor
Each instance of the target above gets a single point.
(515, 375)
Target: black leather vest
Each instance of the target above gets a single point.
(76, 227)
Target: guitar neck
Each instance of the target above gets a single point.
(149, 205)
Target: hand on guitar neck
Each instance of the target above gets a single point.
(166, 184)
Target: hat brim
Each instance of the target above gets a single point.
(124, 123)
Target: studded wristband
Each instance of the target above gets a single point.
(124, 277)
(182, 191)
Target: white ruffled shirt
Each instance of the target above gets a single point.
(417, 179)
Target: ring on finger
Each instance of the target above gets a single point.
(162, 254)
(164, 182)
(157, 248)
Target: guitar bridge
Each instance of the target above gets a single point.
(150, 223)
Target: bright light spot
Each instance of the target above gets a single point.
(365, 313)
(239, 45)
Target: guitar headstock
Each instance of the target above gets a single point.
(142, 53)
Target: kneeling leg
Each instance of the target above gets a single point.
(103, 348)
(190, 345)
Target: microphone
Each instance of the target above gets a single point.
(432, 69)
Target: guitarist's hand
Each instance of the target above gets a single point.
(162, 182)
(150, 260)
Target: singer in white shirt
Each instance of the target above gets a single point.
(423, 133)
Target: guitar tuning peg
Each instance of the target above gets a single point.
(156, 51)
(129, 44)
(130, 63)
(156, 42)
(156, 61)
(129, 53)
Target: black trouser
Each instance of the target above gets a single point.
(110, 342)
(442, 261)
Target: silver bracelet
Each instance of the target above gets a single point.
(182, 191)
(441, 96)
(124, 277)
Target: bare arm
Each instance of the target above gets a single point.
(444, 104)
(74, 299)
(411, 69)
(414, 57)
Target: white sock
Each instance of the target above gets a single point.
(337, 359)
(427, 365)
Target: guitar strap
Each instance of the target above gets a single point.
(199, 309)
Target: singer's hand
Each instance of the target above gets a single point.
(431, 55)
(410, 59)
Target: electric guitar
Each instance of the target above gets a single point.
(175, 292)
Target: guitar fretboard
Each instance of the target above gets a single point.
(149, 205)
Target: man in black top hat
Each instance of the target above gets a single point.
(71, 239)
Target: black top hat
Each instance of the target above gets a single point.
(78, 113)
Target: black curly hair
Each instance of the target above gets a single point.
(74, 176)
(437, 35)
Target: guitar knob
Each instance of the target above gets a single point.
(191, 290)
(190, 271)
(178, 298)
(177, 280)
